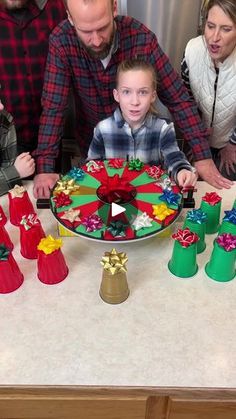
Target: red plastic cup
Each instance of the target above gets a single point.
(18, 207)
(11, 277)
(4, 236)
(3, 218)
(5, 239)
(52, 268)
(29, 240)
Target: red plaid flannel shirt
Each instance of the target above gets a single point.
(23, 53)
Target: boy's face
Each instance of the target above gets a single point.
(135, 94)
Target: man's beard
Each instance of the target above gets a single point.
(103, 53)
(13, 4)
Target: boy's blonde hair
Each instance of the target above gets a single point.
(139, 64)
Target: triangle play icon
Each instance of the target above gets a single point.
(116, 209)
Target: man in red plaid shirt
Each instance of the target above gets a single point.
(25, 28)
(84, 52)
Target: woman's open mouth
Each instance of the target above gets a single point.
(214, 49)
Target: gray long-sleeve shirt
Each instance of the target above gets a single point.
(8, 152)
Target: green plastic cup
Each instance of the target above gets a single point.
(183, 261)
(227, 227)
(221, 266)
(213, 216)
(200, 230)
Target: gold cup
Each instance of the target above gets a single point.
(114, 288)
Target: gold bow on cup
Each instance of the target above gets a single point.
(114, 262)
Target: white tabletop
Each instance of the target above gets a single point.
(169, 332)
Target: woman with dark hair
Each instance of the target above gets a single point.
(209, 72)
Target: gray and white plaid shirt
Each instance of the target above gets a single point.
(8, 152)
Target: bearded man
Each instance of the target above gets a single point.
(84, 53)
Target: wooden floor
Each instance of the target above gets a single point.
(116, 403)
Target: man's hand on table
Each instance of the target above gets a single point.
(208, 171)
(228, 158)
(43, 183)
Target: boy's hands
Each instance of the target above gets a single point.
(25, 164)
(186, 178)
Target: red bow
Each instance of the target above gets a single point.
(185, 237)
(116, 163)
(212, 198)
(116, 189)
(62, 200)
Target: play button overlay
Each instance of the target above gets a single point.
(116, 209)
(117, 206)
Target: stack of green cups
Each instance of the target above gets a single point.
(221, 266)
(183, 261)
(211, 205)
(196, 221)
(229, 222)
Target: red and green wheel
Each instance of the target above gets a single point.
(82, 196)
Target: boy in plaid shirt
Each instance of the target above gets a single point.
(12, 167)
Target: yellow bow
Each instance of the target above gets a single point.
(49, 244)
(161, 211)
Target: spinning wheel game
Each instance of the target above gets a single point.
(82, 200)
